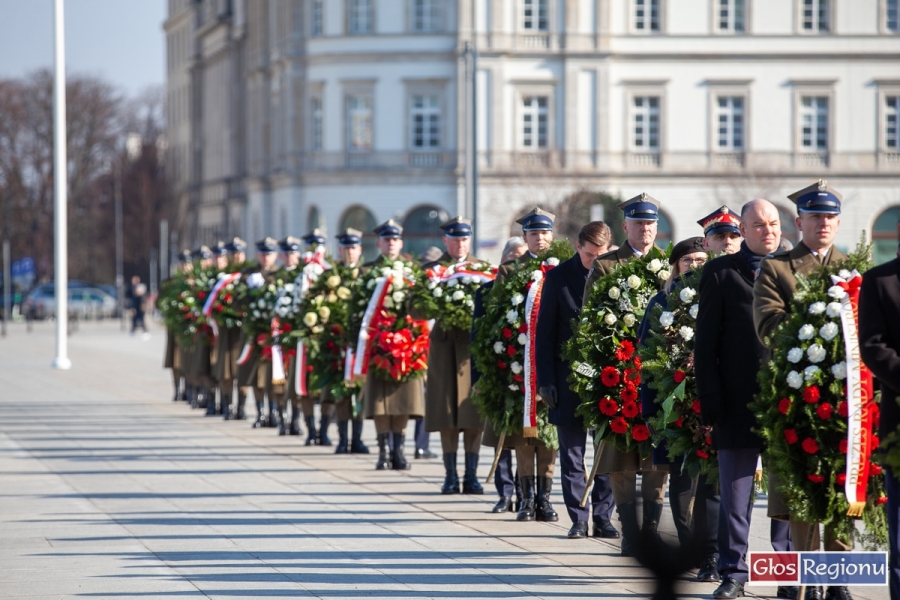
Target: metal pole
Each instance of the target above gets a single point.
(7, 287)
(475, 236)
(163, 250)
(469, 181)
(61, 254)
(120, 277)
(153, 263)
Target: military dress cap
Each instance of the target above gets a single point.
(389, 229)
(185, 256)
(457, 227)
(536, 220)
(640, 208)
(290, 244)
(350, 237)
(722, 220)
(220, 249)
(685, 247)
(314, 238)
(203, 252)
(819, 198)
(267, 245)
(236, 245)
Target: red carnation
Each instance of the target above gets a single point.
(811, 394)
(840, 478)
(201, 295)
(632, 376)
(609, 376)
(637, 362)
(629, 393)
(815, 478)
(523, 328)
(875, 442)
(640, 433)
(708, 441)
(507, 332)
(824, 411)
(510, 350)
(608, 406)
(630, 410)
(702, 454)
(784, 405)
(875, 469)
(518, 378)
(842, 446)
(501, 364)
(679, 422)
(625, 350)
(881, 500)
(790, 436)
(679, 376)
(618, 425)
(695, 406)
(810, 446)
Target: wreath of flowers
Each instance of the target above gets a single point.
(449, 295)
(224, 310)
(604, 343)
(182, 305)
(667, 356)
(802, 408)
(499, 347)
(399, 343)
(264, 300)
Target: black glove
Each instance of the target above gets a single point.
(548, 395)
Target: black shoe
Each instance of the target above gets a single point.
(241, 413)
(356, 444)
(295, 424)
(836, 592)
(424, 453)
(260, 415)
(709, 570)
(311, 436)
(543, 510)
(384, 460)
(628, 519)
(730, 588)
(526, 512)
(281, 416)
(504, 504)
(398, 459)
(605, 529)
(324, 440)
(273, 418)
(471, 485)
(343, 445)
(225, 402)
(788, 591)
(451, 476)
(579, 530)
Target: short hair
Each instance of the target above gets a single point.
(595, 232)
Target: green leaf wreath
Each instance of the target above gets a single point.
(261, 297)
(667, 356)
(499, 348)
(606, 369)
(182, 305)
(448, 299)
(802, 409)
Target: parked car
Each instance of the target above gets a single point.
(84, 302)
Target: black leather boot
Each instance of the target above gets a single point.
(241, 414)
(451, 477)
(343, 445)
(201, 397)
(652, 514)
(210, 403)
(324, 440)
(282, 417)
(544, 510)
(274, 421)
(518, 505)
(311, 436)
(260, 415)
(628, 519)
(398, 458)
(227, 413)
(356, 444)
(295, 423)
(526, 512)
(188, 395)
(384, 459)
(471, 485)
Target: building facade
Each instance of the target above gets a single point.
(287, 115)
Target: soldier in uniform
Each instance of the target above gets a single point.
(228, 344)
(448, 406)
(350, 249)
(721, 231)
(389, 403)
(199, 372)
(641, 216)
(173, 359)
(290, 260)
(819, 210)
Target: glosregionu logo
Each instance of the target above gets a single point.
(818, 568)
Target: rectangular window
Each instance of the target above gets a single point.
(426, 15)
(814, 123)
(730, 123)
(892, 15)
(646, 15)
(646, 123)
(534, 122)
(317, 18)
(817, 16)
(892, 122)
(534, 15)
(426, 122)
(731, 16)
(316, 137)
(359, 123)
(359, 16)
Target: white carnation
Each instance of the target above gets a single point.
(694, 311)
(794, 380)
(794, 355)
(514, 388)
(552, 261)
(333, 281)
(512, 316)
(310, 319)
(438, 292)
(517, 299)
(466, 280)
(452, 283)
(398, 283)
(516, 368)
(687, 295)
(255, 280)
(629, 320)
(371, 283)
(614, 293)
(816, 308)
(398, 265)
(806, 332)
(432, 285)
(687, 333)
(839, 370)
(833, 310)
(654, 265)
(634, 282)
(522, 339)
(261, 303)
(816, 353)
(537, 275)
(663, 275)
(282, 311)
(459, 295)
(845, 274)
(499, 347)
(385, 270)
(610, 319)
(836, 292)
(398, 297)
(810, 372)
(388, 303)
(256, 314)
(666, 319)
(828, 331)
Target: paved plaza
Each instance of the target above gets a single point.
(108, 489)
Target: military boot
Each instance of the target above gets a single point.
(324, 421)
(628, 520)
(652, 515)
(273, 415)
(451, 477)
(260, 415)
(398, 459)
(471, 485)
(356, 444)
(384, 460)
(544, 510)
(343, 446)
(227, 413)
(241, 414)
(210, 403)
(526, 512)
(282, 417)
(311, 436)
(295, 423)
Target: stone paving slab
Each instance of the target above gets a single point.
(108, 489)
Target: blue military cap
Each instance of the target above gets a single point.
(185, 256)
(389, 229)
(220, 249)
(640, 208)
(350, 237)
(818, 198)
(723, 219)
(536, 220)
(266, 245)
(236, 245)
(203, 252)
(290, 244)
(457, 227)
(314, 238)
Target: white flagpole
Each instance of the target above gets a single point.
(59, 188)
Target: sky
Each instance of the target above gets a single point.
(121, 41)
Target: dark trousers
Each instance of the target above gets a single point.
(422, 436)
(780, 535)
(572, 443)
(137, 320)
(705, 520)
(504, 477)
(892, 485)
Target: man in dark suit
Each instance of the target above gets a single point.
(879, 338)
(561, 300)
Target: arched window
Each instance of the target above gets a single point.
(359, 217)
(789, 231)
(885, 235)
(421, 230)
(664, 233)
(314, 220)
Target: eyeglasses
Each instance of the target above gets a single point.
(687, 261)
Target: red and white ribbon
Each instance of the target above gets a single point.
(444, 273)
(532, 307)
(300, 370)
(246, 351)
(860, 395)
(213, 294)
(277, 356)
(348, 363)
(369, 323)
